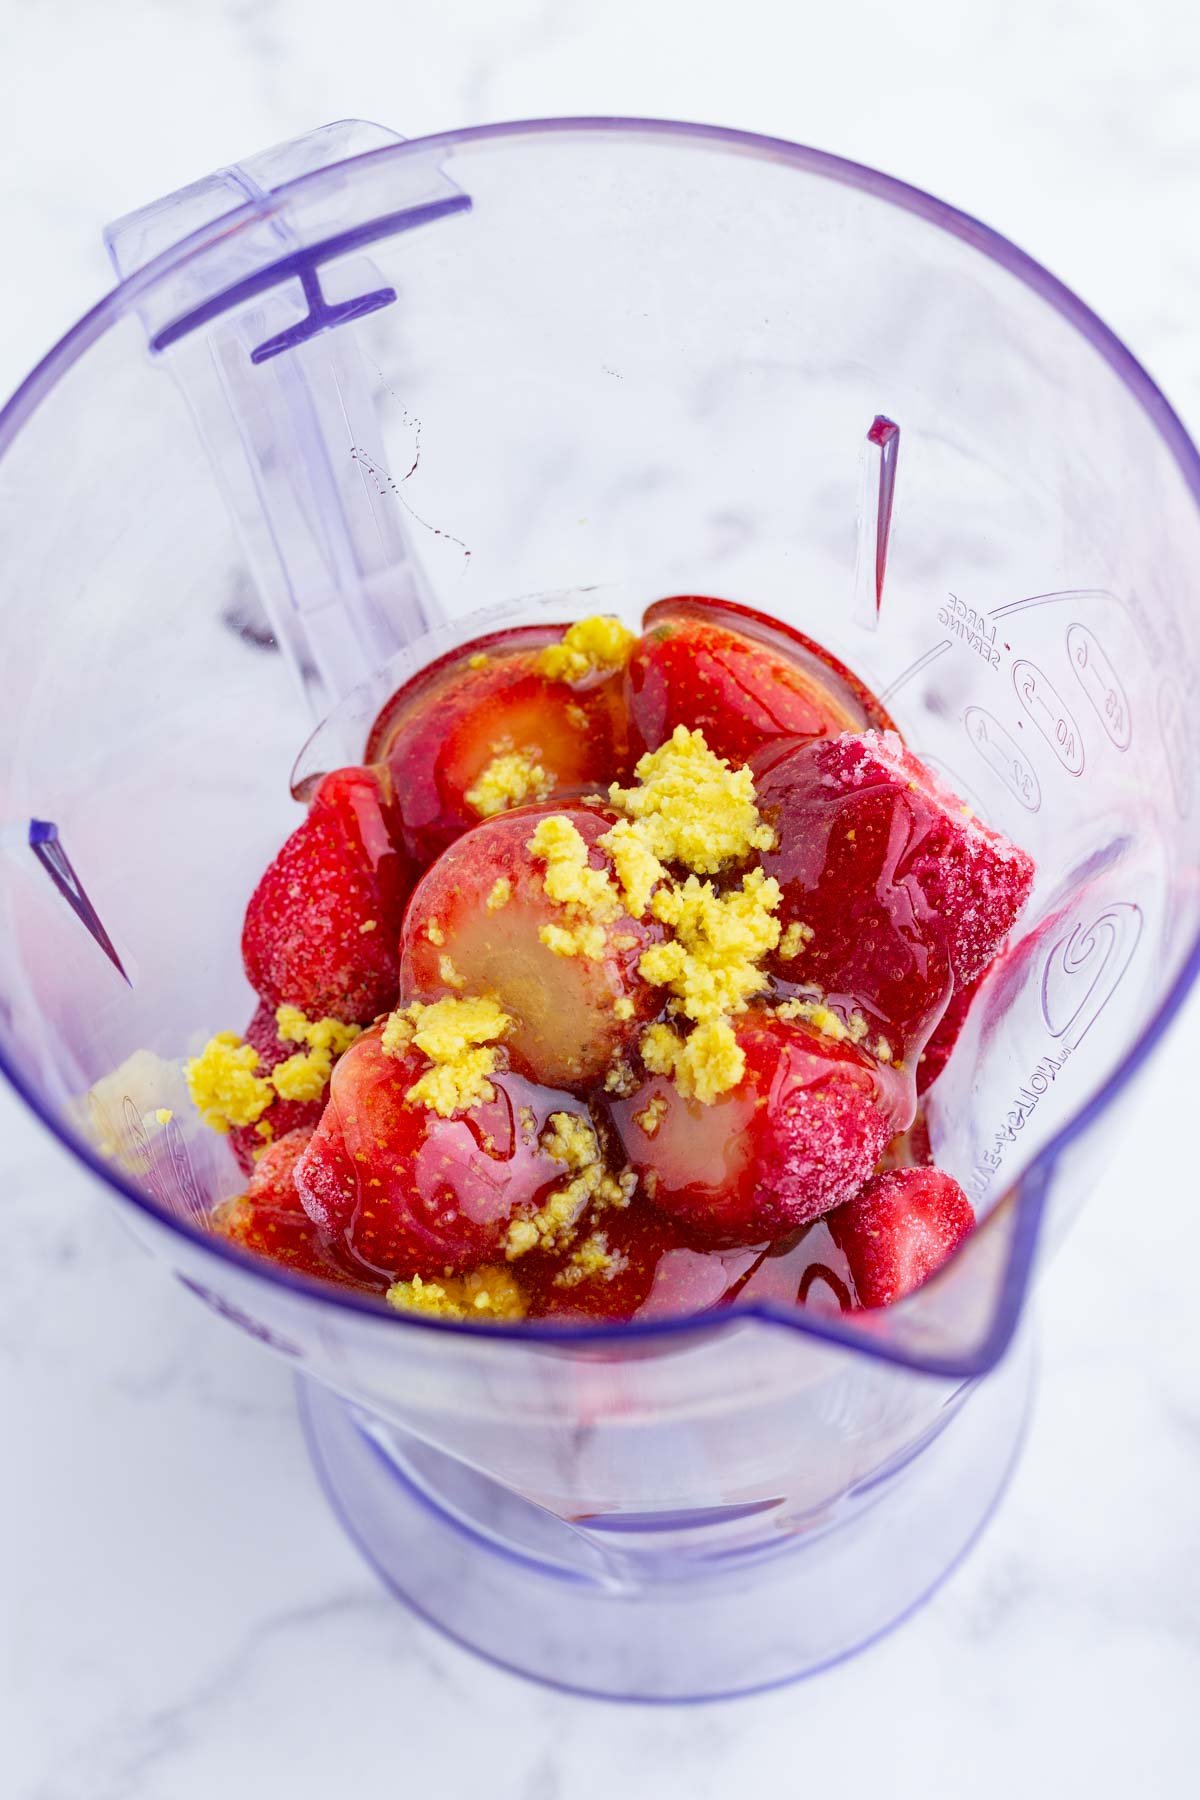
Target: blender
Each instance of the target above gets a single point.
(355, 400)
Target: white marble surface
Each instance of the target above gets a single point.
(179, 1616)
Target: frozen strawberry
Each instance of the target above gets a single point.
(936, 1053)
(801, 1131)
(504, 720)
(269, 1219)
(632, 1263)
(899, 1229)
(807, 1269)
(282, 1116)
(893, 892)
(642, 1265)
(321, 927)
(482, 921)
(910, 1149)
(407, 1191)
(730, 673)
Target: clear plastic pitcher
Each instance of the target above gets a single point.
(358, 399)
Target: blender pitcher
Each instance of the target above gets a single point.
(354, 401)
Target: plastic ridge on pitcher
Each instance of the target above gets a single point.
(330, 553)
(303, 265)
(881, 456)
(47, 846)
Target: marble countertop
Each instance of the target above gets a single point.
(179, 1614)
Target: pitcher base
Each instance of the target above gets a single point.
(520, 1588)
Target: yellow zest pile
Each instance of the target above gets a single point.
(651, 1115)
(692, 807)
(592, 1258)
(227, 1090)
(572, 1141)
(712, 964)
(223, 1084)
(794, 940)
(486, 1293)
(598, 645)
(459, 1038)
(304, 1075)
(510, 779)
(638, 869)
(570, 882)
(449, 972)
(688, 808)
(813, 1010)
(703, 1066)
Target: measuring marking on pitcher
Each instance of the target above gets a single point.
(1025, 1102)
(1001, 753)
(970, 628)
(1046, 707)
(1098, 679)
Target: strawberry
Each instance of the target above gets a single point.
(808, 1269)
(631, 1263)
(404, 1191)
(899, 1229)
(321, 927)
(802, 1130)
(475, 925)
(269, 1220)
(936, 1053)
(909, 1149)
(283, 1116)
(737, 677)
(900, 892)
(484, 728)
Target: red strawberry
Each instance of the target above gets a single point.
(647, 1266)
(632, 1263)
(904, 892)
(806, 1270)
(799, 1134)
(737, 677)
(440, 734)
(321, 926)
(473, 925)
(283, 1116)
(909, 1149)
(269, 1219)
(936, 1053)
(404, 1191)
(899, 1229)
